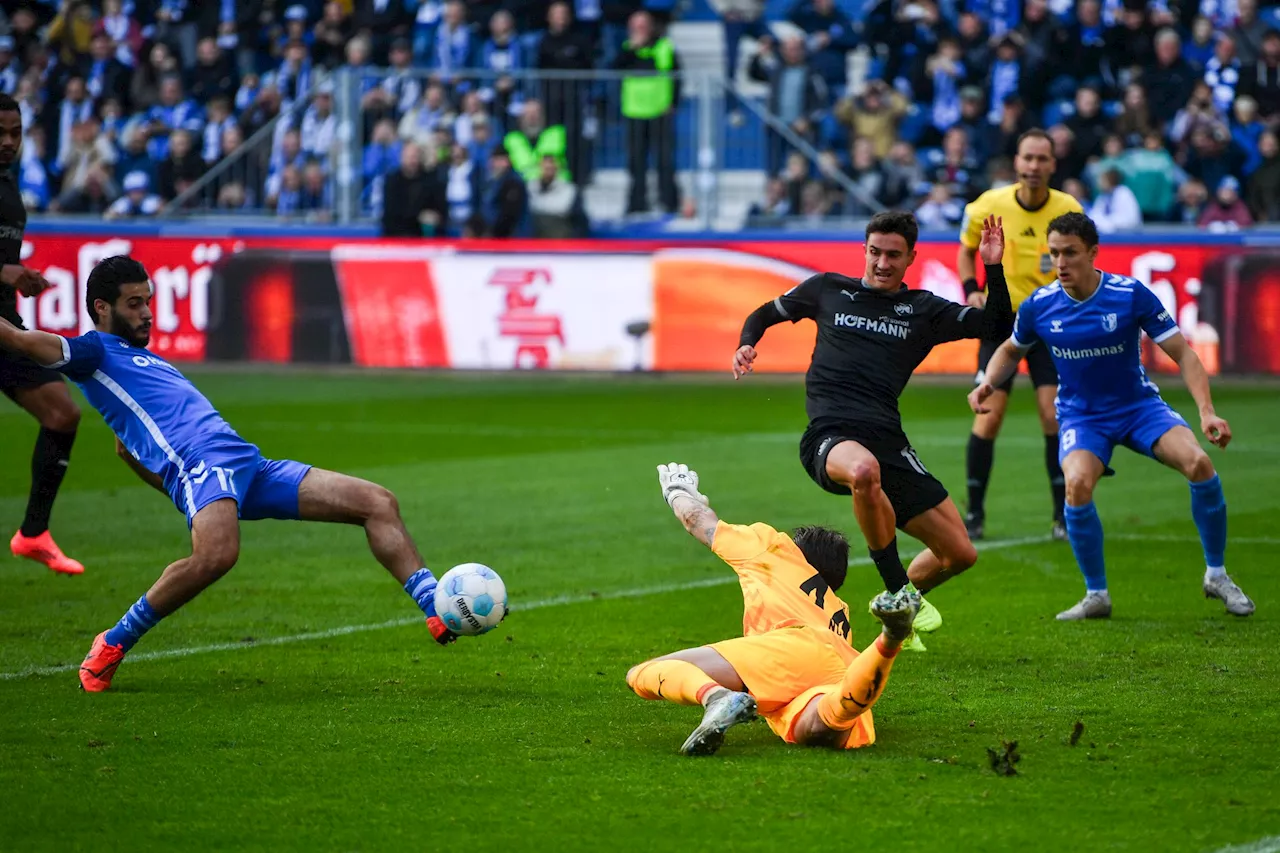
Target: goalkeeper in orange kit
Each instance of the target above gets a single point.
(794, 663)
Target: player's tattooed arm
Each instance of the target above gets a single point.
(150, 478)
(40, 347)
(679, 487)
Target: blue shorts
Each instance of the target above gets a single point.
(1137, 428)
(262, 488)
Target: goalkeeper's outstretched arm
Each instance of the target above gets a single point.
(680, 489)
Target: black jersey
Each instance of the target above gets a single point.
(869, 341)
(13, 224)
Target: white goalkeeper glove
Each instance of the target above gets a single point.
(676, 479)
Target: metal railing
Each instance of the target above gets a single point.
(694, 164)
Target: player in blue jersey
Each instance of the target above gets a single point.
(177, 442)
(1090, 321)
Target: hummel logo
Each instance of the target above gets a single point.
(1055, 326)
(1030, 232)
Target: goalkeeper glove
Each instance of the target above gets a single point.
(676, 479)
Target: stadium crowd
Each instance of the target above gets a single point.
(1159, 111)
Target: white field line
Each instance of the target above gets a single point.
(637, 592)
(1270, 844)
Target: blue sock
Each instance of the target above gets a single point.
(1209, 509)
(139, 620)
(1084, 529)
(421, 587)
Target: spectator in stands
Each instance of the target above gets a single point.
(10, 68)
(22, 29)
(93, 198)
(76, 107)
(533, 140)
(316, 200)
(815, 202)
(219, 116)
(1248, 32)
(1246, 131)
(1152, 174)
(1134, 122)
(399, 90)
(1007, 75)
(649, 104)
(288, 198)
(463, 186)
(213, 76)
(232, 197)
(1264, 183)
(1115, 208)
(33, 177)
(554, 204)
(182, 168)
(105, 76)
(134, 155)
(296, 27)
(70, 31)
(1071, 162)
(568, 102)
(877, 189)
(1222, 73)
(798, 95)
(176, 24)
(331, 34)
(955, 167)
(1014, 121)
(984, 137)
(1041, 33)
(1261, 81)
(1168, 80)
(1226, 211)
(506, 201)
(936, 82)
(138, 200)
(287, 155)
(425, 23)
(407, 205)
(615, 18)
(1087, 123)
(1113, 157)
(1002, 14)
(502, 54)
(1130, 46)
(174, 110)
(876, 114)
(88, 149)
(267, 104)
(906, 172)
(1199, 114)
(320, 125)
(1198, 50)
(915, 33)
(294, 76)
(123, 31)
(383, 21)
(975, 44)
(432, 112)
(1075, 188)
(483, 141)
(741, 19)
(775, 202)
(239, 173)
(793, 177)
(940, 212)
(381, 156)
(830, 35)
(455, 48)
(473, 110)
(1213, 155)
(1080, 52)
(144, 88)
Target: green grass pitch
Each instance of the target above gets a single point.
(299, 704)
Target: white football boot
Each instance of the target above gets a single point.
(1223, 588)
(1094, 605)
(725, 709)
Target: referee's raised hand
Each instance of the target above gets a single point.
(991, 247)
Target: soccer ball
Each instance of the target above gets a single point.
(471, 599)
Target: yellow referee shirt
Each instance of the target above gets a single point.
(1027, 265)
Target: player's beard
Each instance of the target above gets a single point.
(139, 335)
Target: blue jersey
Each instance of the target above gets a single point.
(156, 412)
(1094, 343)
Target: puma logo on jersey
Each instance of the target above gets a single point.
(853, 297)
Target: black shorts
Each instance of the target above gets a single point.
(18, 373)
(911, 489)
(1039, 365)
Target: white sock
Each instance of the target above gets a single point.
(1102, 591)
(1212, 572)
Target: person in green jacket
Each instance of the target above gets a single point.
(649, 101)
(533, 141)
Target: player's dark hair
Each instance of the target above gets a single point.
(1033, 133)
(826, 550)
(1075, 225)
(895, 222)
(109, 276)
(8, 104)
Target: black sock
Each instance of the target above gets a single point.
(978, 460)
(889, 565)
(1056, 481)
(48, 467)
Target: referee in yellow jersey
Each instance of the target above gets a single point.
(1027, 207)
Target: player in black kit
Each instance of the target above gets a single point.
(872, 333)
(35, 388)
